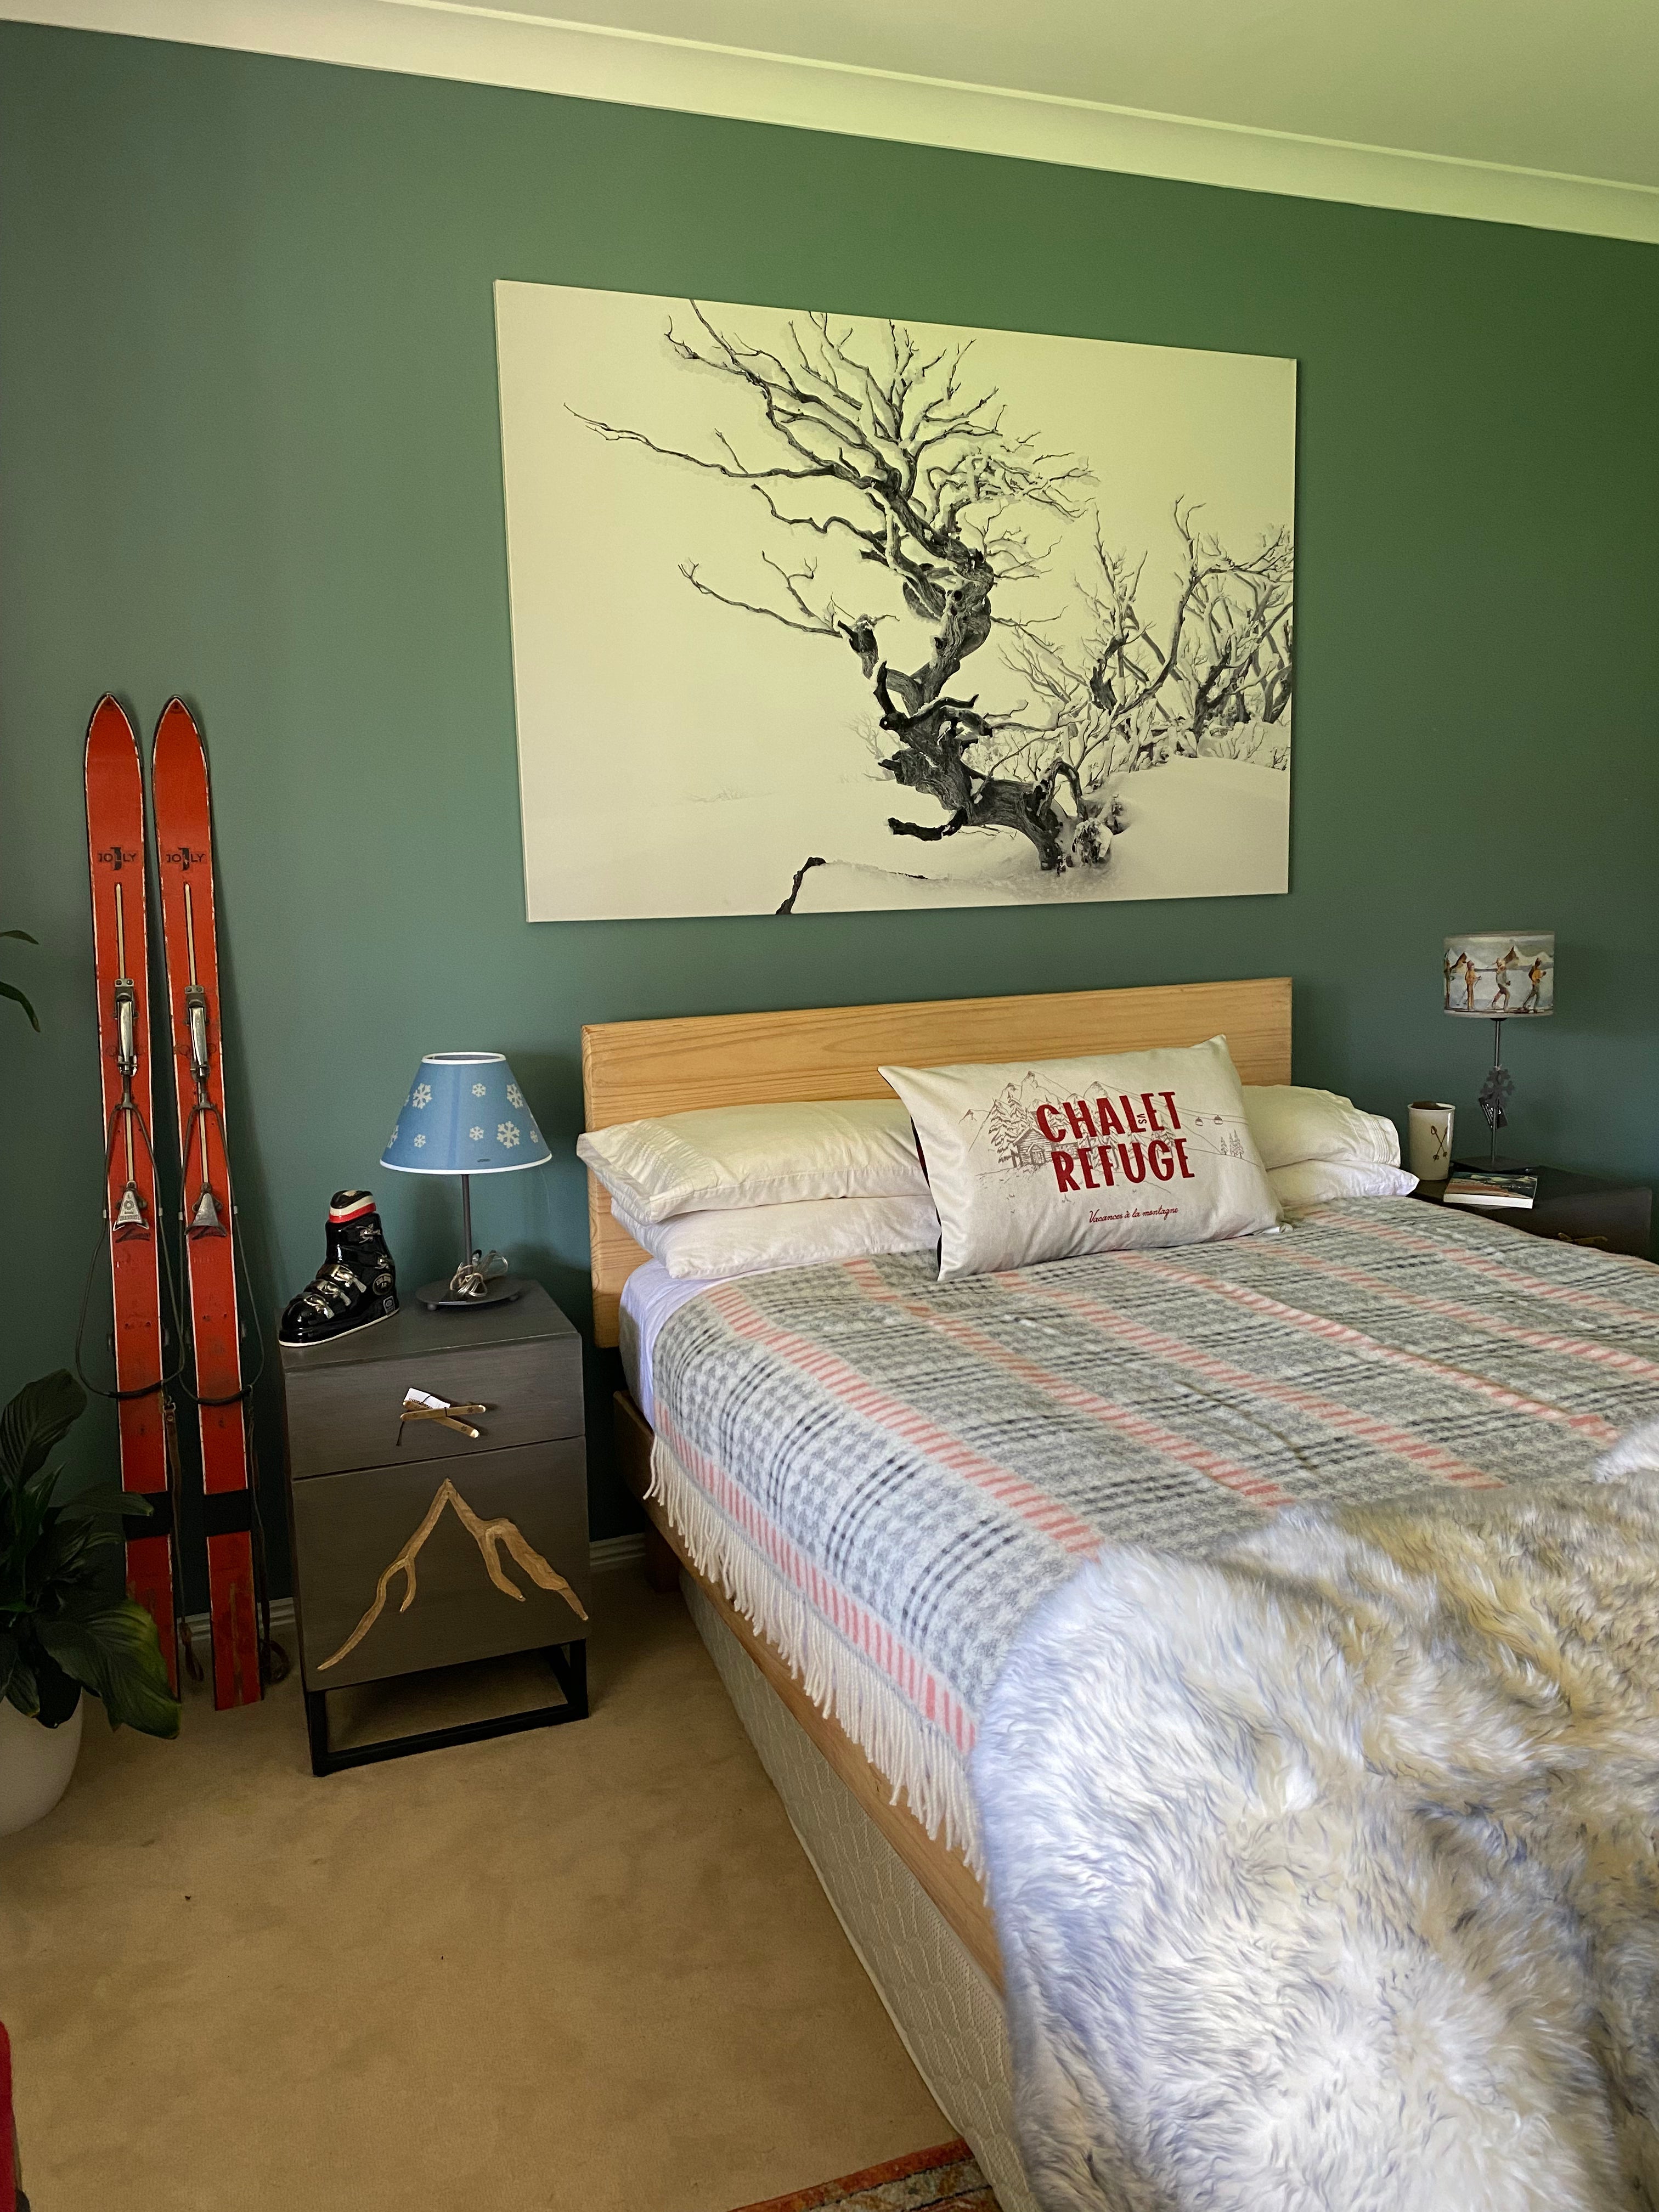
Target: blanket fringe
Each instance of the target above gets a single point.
(915, 1758)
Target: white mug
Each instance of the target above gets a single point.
(1431, 1141)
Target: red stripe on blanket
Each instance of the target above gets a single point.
(1371, 1347)
(1573, 1348)
(1254, 1489)
(1347, 1419)
(922, 1689)
(1056, 1521)
(1484, 1264)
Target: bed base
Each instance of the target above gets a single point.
(947, 2011)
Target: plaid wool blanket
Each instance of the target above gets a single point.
(887, 1474)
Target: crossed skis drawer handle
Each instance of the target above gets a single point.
(421, 1406)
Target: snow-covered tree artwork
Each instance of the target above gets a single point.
(812, 611)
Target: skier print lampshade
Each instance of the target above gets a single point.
(465, 1114)
(1499, 975)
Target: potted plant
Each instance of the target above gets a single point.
(65, 1627)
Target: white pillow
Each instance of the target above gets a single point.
(726, 1156)
(1290, 1123)
(1029, 1162)
(1310, 1183)
(754, 1240)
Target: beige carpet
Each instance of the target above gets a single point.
(581, 1969)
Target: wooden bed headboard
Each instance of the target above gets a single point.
(632, 1071)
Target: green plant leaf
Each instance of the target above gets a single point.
(10, 991)
(21, 1690)
(114, 1651)
(59, 1693)
(105, 1501)
(23, 933)
(39, 1417)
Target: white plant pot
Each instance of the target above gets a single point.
(35, 1764)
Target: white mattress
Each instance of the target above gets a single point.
(648, 1297)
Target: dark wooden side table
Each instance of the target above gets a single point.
(1577, 1209)
(417, 1545)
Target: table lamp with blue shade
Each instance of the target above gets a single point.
(465, 1116)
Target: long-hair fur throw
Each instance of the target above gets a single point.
(1326, 1871)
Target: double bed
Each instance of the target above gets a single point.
(869, 1479)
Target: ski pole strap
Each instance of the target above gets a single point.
(227, 1513)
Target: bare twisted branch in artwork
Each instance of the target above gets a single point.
(896, 451)
(1215, 680)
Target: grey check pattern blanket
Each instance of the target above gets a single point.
(888, 1473)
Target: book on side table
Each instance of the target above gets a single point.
(1476, 1186)
(1580, 1209)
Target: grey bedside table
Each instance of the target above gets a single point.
(417, 1545)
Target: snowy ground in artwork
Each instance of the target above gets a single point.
(1195, 828)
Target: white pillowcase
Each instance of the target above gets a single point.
(1290, 1123)
(737, 1156)
(1028, 1163)
(718, 1243)
(1310, 1183)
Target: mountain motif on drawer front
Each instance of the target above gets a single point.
(488, 1536)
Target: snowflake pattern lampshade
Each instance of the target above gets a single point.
(465, 1114)
(1500, 974)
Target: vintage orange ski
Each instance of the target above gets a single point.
(115, 845)
(183, 842)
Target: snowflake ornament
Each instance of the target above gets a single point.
(507, 1135)
(421, 1095)
(476, 1135)
(392, 1138)
(478, 1090)
(419, 1141)
(515, 1095)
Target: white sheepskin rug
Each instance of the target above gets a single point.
(1326, 1869)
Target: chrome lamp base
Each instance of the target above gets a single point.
(482, 1279)
(443, 1297)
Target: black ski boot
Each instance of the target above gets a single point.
(356, 1283)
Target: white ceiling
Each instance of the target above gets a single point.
(1540, 111)
(1570, 86)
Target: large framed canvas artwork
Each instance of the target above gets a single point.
(814, 612)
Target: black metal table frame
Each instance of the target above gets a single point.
(568, 1661)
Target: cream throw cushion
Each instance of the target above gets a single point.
(1290, 1123)
(812, 1232)
(1310, 1182)
(1029, 1162)
(725, 1156)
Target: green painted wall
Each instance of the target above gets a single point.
(248, 450)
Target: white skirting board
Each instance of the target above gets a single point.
(603, 1558)
(948, 2015)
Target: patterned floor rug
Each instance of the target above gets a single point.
(945, 2179)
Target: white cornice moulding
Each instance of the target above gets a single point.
(499, 46)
